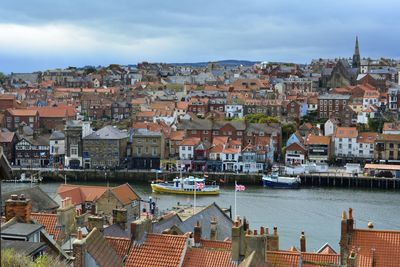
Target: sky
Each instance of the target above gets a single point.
(45, 34)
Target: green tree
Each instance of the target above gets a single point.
(2, 78)
(261, 118)
(11, 258)
(287, 130)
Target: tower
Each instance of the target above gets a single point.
(356, 56)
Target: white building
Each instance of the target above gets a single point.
(57, 147)
(186, 148)
(366, 145)
(345, 142)
(330, 127)
(234, 111)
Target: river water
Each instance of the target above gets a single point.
(317, 211)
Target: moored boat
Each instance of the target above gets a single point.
(24, 179)
(274, 180)
(186, 186)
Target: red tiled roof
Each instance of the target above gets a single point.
(382, 246)
(182, 105)
(52, 112)
(6, 137)
(7, 97)
(316, 140)
(216, 244)
(146, 114)
(220, 140)
(158, 250)
(346, 132)
(81, 193)
(292, 258)
(49, 222)
(198, 257)
(368, 138)
(295, 147)
(119, 244)
(125, 193)
(22, 112)
(192, 141)
(177, 135)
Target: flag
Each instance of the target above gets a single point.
(199, 186)
(240, 187)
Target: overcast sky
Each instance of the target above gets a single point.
(43, 34)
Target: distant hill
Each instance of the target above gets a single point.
(229, 63)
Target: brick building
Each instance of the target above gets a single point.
(332, 106)
(14, 117)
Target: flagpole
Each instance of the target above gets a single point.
(194, 204)
(235, 203)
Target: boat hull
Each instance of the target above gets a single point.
(280, 185)
(157, 188)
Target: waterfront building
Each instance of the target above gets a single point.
(319, 148)
(74, 131)
(345, 141)
(387, 147)
(32, 152)
(57, 148)
(147, 149)
(105, 148)
(295, 154)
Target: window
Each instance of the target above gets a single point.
(74, 151)
(154, 151)
(183, 148)
(391, 145)
(360, 152)
(8, 119)
(205, 132)
(31, 119)
(340, 146)
(189, 148)
(194, 132)
(340, 140)
(16, 119)
(139, 151)
(239, 133)
(349, 145)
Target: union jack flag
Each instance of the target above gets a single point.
(240, 187)
(200, 186)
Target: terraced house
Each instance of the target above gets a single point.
(105, 148)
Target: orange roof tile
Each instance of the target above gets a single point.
(158, 250)
(384, 245)
(146, 114)
(177, 135)
(49, 222)
(292, 258)
(182, 105)
(367, 138)
(220, 140)
(346, 132)
(205, 243)
(198, 257)
(125, 193)
(52, 112)
(22, 112)
(316, 140)
(81, 193)
(191, 141)
(6, 137)
(119, 244)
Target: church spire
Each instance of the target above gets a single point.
(356, 56)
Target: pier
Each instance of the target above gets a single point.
(329, 179)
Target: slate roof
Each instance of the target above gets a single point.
(49, 221)
(115, 230)
(20, 229)
(6, 137)
(23, 247)
(224, 223)
(101, 251)
(41, 202)
(57, 135)
(158, 251)
(108, 132)
(166, 222)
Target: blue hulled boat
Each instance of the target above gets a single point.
(274, 180)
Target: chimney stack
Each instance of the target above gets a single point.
(256, 242)
(350, 222)
(273, 240)
(120, 217)
(140, 228)
(370, 225)
(20, 207)
(66, 217)
(197, 234)
(302, 242)
(213, 229)
(236, 232)
(96, 222)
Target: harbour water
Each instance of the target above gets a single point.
(317, 211)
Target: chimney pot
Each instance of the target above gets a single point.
(302, 242)
(266, 231)
(350, 213)
(275, 230)
(79, 234)
(22, 197)
(14, 197)
(370, 225)
(255, 232)
(261, 230)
